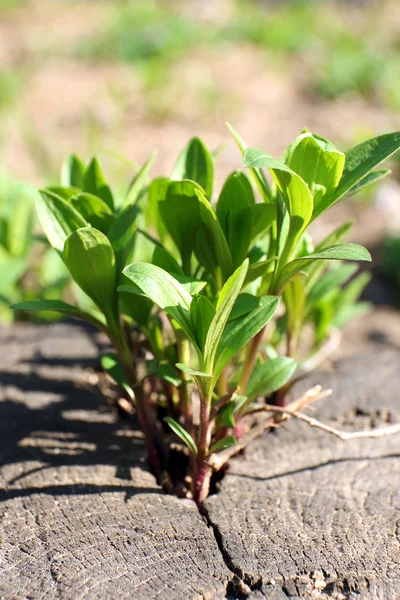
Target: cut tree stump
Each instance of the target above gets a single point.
(300, 514)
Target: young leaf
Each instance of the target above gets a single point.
(94, 210)
(226, 301)
(195, 162)
(202, 313)
(270, 376)
(58, 218)
(317, 162)
(192, 372)
(163, 259)
(234, 215)
(50, 305)
(294, 190)
(122, 236)
(315, 270)
(331, 280)
(360, 160)
(263, 215)
(211, 248)
(165, 291)
(183, 434)
(138, 182)
(95, 183)
(58, 306)
(73, 172)
(112, 365)
(226, 416)
(369, 179)
(164, 371)
(90, 259)
(240, 331)
(222, 444)
(66, 193)
(257, 173)
(339, 252)
(180, 212)
(243, 305)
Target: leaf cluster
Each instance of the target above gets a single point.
(185, 281)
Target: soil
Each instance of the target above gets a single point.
(299, 515)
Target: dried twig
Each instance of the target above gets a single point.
(217, 461)
(343, 435)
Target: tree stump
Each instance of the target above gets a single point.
(299, 515)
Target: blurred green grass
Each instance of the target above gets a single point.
(341, 48)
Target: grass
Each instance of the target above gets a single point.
(342, 50)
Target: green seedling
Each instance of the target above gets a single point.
(185, 282)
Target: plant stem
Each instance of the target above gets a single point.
(185, 397)
(142, 408)
(250, 360)
(203, 445)
(222, 383)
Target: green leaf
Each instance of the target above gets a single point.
(263, 215)
(294, 190)
(73, 172)
(226, 415)
(163, 259)
(50, 305)
(351, 311)
(295, 193)
(58, 218)
(66, 193)
(195, 162)
(257, 173)
(122, 236)
(315, 270)
(223, 444)
(331, 280)
(113, 366)
(360, 160)
(339, 252)
(11, 269)
(183, 434)
(60, 307)
(226, 301)
(202, 313)
(317, 162)
(138, 182)
(368, 180)
(243, 305)
(349, 296)
(270, 376)
(192, 372)
(211, 248)
(138, 307)
(16, 216)
(164, 371)
(95, 183)
(94, 210)
(90, 259)
(165, 291)
(181, 215)
(235, 216)
(240, 331)
(260, 269)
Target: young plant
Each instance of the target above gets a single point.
(185, 287)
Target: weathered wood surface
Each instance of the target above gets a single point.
(300, 514)
(81, 517)
(304, 514)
